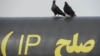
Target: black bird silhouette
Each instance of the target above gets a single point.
(68, 10)
(56, 10)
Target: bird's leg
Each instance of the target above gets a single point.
(65, 14)
(57, 15)
(54, 15)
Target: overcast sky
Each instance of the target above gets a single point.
(42, 8)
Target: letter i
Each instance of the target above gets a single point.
(20, 45)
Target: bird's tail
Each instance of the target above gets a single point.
(73, 15)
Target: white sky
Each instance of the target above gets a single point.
(42, 8)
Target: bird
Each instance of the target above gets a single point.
(68, 10)
(56, 10)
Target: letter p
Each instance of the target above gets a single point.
(31, 44)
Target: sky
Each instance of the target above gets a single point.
(42, 8)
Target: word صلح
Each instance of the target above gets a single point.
(85, 48)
